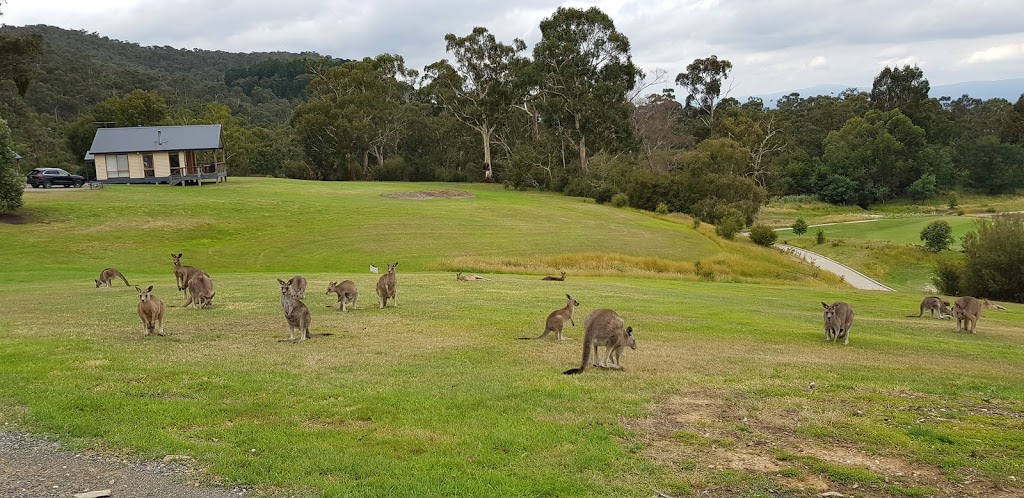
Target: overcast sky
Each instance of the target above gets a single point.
(774, 45)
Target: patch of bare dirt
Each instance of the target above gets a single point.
(14, 219)
(439, 193)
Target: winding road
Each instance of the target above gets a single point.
(851, 276)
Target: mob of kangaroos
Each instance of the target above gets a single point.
(556, 320)
(347, 293)
(184, 273)
(838, 320)
(559, 279)
(151, 311)
(967, 311)
(604, 328)
(933, 304)
(387, 286)
(106, 276)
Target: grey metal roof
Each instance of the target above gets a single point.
(156, 138)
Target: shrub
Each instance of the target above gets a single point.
(729, 227)
(620, 200)
(937, 236)
(995, 256)
(923, 188)
(799, 226)
(662, 208)
(763, 234)
(820, 238)
(947, 276)
(952, 201)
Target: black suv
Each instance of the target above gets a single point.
(47, 177)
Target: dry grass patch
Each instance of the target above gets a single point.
(437, 193)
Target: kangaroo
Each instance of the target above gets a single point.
(604, 328)
(838, 320)
(468, 278)
(556, 320)
(151, 311)
(347, 293)
(933, 304)
(387, 286)
(299, 286)
(560, 279)
(183, 273)
(989, 306)
(967, 311)
(106, 276)
(200, 290)
(295, 313)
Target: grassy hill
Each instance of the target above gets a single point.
(436, 397)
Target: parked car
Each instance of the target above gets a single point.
(47, 177)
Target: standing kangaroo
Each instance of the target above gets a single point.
(838, 320)
(295, 313)
(556, 320)
(604, 328)
(967, 311)
(560, 279)
(184, 273)
(151, 311)
(933, 304)
(107, 275)
(347, 293)
(200, 291)
(387, 286)
(299, 286)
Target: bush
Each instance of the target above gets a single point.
(924, 188)
(995, 256)
(947, 276)
(820, 238)
(799, 226)
(620, 200)
(729, 227)
(952, 201)
(12, 184)
(763, 234)
(937, 236)
(662, 208)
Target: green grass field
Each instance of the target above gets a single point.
(436, 397)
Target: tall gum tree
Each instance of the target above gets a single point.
(481, 83)
(585, 75)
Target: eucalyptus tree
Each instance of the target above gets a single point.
(585, 73)
(703, 84)
(481, 84)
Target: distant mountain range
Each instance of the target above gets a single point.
(1008, 89)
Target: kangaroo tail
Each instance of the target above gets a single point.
(323, 334)
(588, 341)
(914, 316)
(573, 371)
(125, 279)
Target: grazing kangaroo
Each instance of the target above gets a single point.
(838, 320)
(106, 276)
(560, 279)
(299, 286)
(556, 320)
(387, 286)
(151, 311)
(468, 278)
(184, 273)
(347, 293)
(967, 311)
(295, 313)
(989, 306)
(604, 328)
(200, 291)
(933, 304)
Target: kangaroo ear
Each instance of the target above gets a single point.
(629, 330)
(824, 305)
(138, 289)
(179, 254)
(281, 282)
(396, 263)
(568, 296)
(150, 289)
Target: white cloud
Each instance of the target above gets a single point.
(818, 62)
(1011, 51)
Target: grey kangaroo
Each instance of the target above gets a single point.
(295, 313)
(556, 320)
(387, 286)
(967, 311)
(200, 291)
(184, 273)
(106, 276)
(604, 328)
(347, 293)
(299, 286)
(838, 320)
(560, 279)
(468, 278)
(151, 311)
(933, 304)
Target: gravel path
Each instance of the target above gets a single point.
(35, 468)
(851, 276)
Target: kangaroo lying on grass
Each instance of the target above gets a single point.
(387, 286)
(468, 278)
(560, 279)
(151, 311)
(200, 291)
(933, 304)
(967, 311)
(989, 306)
(295, 313)
(106, 276)
(604, 328)
(347, 293)
(556, 320)
(838, 320)
(184, 273)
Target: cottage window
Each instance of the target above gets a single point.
(147, 165)
(117, 166)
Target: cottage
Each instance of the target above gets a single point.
(159, 154)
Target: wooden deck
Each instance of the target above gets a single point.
(207, 173)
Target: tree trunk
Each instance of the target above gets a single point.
(583, 153)
(536, 126)
(485, 132)
(366, 164)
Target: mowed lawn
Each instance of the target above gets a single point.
(906, 230)
(437, 397)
